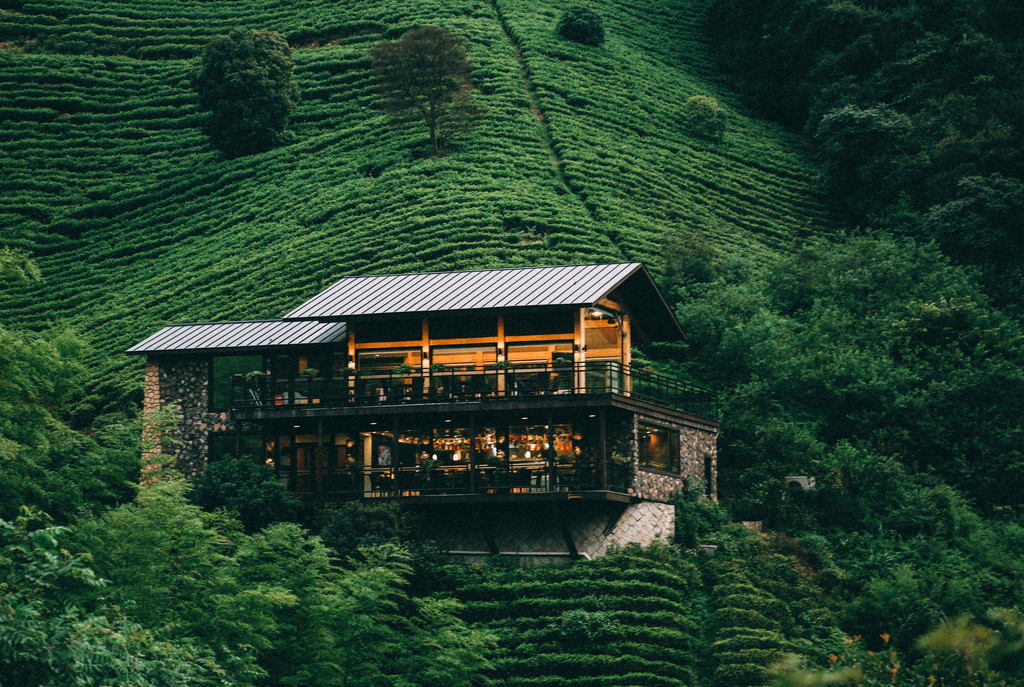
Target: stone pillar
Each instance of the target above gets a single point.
(184, 384)
(152, 436)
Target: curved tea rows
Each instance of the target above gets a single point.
(623, 620)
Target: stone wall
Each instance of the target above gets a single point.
(183, 384)
(641, 523)
(698, 457)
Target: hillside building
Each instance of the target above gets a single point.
(502, 403)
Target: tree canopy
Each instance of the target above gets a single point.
(426, 75)
(245, 83)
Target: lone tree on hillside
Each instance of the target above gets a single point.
(704, 116)
(245, 82)
(425, 75)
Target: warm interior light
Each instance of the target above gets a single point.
(455, 456)
(527, 455)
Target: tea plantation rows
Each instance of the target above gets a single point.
(580, 154)
(625, 620)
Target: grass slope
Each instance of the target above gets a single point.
(580, 155)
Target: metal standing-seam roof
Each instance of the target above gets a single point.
(235, 336)
(475, 290)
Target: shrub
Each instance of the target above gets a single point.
(250, 488)
(704, 117)
(581, 25)
(245, 82)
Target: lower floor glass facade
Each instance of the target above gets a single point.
(493, 454)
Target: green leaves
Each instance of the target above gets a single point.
(246, 84)
(50, 636)
(247, 488)
(276, 606)
(425, 75)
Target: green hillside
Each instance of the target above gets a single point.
(624, 620)
(580, 155)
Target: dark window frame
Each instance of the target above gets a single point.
(674, 466)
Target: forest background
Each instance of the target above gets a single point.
(835, 219)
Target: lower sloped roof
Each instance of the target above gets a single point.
(240, 336)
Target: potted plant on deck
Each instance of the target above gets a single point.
(399, 380)
(438, 380)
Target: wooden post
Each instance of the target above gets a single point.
(471, 453)
(579, 350)
(502, 355)
(320, 468)
(603, 441)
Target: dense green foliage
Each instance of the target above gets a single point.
(581, 24)
(245, 82)
(907, 101)
(138, 221)
(425, 74)
(276, 607)
(872, 351)
(50, 635)
(43, 463)
(245, 487)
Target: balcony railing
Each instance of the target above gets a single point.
(530, 477)
(367, 388)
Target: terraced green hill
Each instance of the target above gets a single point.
(626, 620)
(580, 155)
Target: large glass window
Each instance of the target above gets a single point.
(228, 385)
(384, 361)
(525, 354)
(659, 447)
(602, 336)
(527, 443)
(464, 357)
(451, 446)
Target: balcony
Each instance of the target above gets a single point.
(521, 384)
(519, 481)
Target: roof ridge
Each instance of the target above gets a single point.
(193, 324)
(487, 269)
